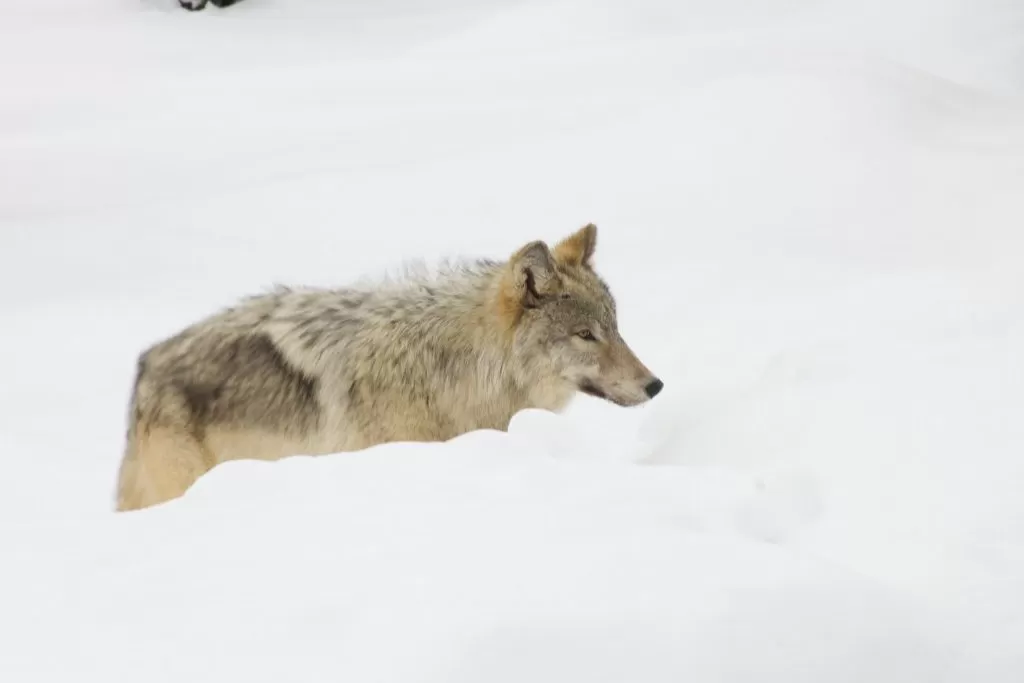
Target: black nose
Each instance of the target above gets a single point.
(654, 388)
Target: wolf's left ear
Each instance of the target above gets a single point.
(533, 275)
(578, 248)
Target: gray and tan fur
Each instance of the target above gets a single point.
(317, 371)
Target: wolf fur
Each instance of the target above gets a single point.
(316, 371)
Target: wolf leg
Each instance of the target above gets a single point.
(159, 465)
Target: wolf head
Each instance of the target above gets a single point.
(564, 321)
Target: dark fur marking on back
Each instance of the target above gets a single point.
(248, 382)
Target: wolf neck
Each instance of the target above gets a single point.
(463, 318)
(467, 345)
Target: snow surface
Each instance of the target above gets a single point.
(812, 214)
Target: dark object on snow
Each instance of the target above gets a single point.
(193, 5)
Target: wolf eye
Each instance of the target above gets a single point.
(587, 335)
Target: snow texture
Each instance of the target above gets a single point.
(811, 214)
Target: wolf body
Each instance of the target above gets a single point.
(317, 371)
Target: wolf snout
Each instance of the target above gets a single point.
(653, 388)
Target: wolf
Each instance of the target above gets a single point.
(193, 5)
(308, 371)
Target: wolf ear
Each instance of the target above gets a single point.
(578, 248)
(533, 275)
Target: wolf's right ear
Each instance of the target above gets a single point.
(578, 248)
(532, 275)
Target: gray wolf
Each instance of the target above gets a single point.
(193, 5)
(303, 371)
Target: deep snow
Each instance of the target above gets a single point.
(811, 215)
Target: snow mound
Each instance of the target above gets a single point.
(481, 558)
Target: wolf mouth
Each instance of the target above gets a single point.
(591, 389)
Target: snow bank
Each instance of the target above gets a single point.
(482, 558)
(810, 215)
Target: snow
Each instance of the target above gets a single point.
(811, 216)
